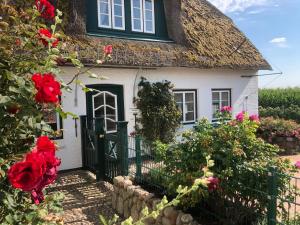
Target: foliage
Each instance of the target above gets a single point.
(160, 116)
(271, 129)
(280, 102)
(241, 163)
(30, 46)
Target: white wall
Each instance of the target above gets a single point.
(244, 97)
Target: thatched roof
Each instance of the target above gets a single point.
(203, 38)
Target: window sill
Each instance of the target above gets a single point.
(131, 37)
(188, 123)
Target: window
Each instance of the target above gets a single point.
(142, 16)
(105, 106)
(186, 102)
(111, 14)
(220, 98)
(52, 118)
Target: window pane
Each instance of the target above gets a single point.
(148, 4)
(118, 22)
(225, 96)
(119, 2)
(189, 116)
(215, 96)
(137, 24)
(136, 13)
(189, 107)
(104, 20)
(149, 27)
(180, 107)
(225, 103)
(104, 8)
(189, 97)
(136, 3)
(118, 10)
(110, 113)
(178, 97)
(148, 15)
(110, 100)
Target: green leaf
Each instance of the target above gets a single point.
(4, 99)
(103, 220)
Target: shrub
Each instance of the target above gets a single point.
(280, 103)
(241, 164)
(285, 133)
(160, 116)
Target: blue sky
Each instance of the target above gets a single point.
(274, 27)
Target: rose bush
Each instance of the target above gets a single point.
(241, 163)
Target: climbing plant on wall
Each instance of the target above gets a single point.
(159, 116)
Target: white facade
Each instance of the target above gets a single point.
(244, 96)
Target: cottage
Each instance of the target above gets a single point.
(189, 42)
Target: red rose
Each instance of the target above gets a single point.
(45, 36)
(18, 42)
(27, 175)
(48, 89)
(45, 145)
(108, 49)
(213, 183)
(46, 9)
(52, 164)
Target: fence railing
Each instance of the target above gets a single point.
(143, 165)
(282, 204)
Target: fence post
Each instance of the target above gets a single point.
(272, 196)
(123, 146)
(138, 158)
(100, 149)
(83, 128)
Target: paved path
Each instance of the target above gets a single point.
(84, 199)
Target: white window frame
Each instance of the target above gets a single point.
(105, 106)
(184, 108)
(111, 16)
(220, 91)
(143, 17)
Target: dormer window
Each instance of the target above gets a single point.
(133, 19)
(111, 14)
(142, 16)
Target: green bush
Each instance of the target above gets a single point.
(241, 163)
(280, 103)
(160, 116)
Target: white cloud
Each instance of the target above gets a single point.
(227, 6)
(280, 42)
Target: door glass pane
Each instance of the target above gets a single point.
(110, 126)
(100, 112)
(110, 113)
(119, 2)
(98, 100)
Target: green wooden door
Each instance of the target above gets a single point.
(107, 103)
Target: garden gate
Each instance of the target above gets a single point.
(105, 154)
